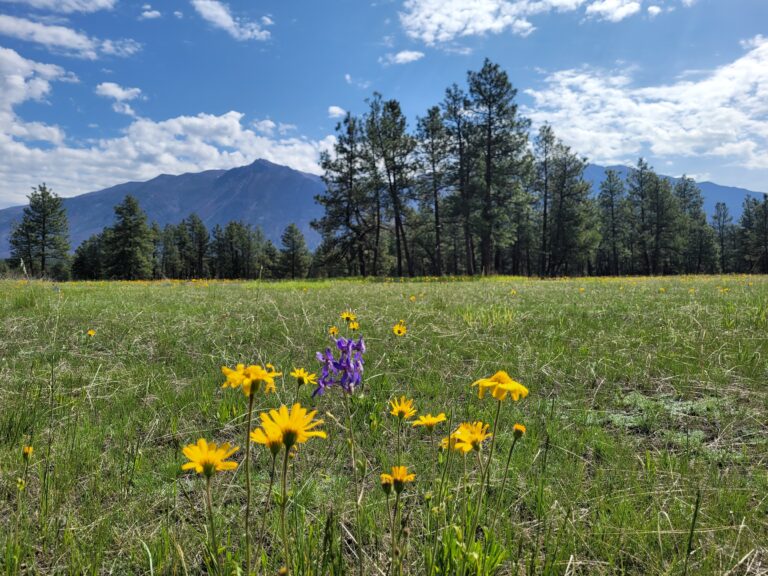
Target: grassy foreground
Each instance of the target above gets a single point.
(644, 393)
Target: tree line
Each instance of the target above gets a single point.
(133, 249)
(470, 191)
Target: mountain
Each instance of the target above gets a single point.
(713, 193)
(263, 194)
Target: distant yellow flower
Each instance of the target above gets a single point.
(354, 325)
(429, 421)
(208, 458)
(691, 290)
(582, 290)
(501, 385)
(662, 290)
(518, 430)
(399, 329)
(513, 292)
(295, 427)
(91, 332)
(402, 408)
(26, 452)
(304, 377)
(412, 298)
(398, 478)
(348, 316)
(246, 376)
(270, 436)
(333, 331)
(470, 436)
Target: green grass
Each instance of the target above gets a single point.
(640, 398)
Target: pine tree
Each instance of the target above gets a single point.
(129, 245)
(88, 261)
(722, 222)
(41, 239)
(611, 201)
(294, 255)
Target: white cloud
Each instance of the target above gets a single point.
(613, 10)
(336, 112)
(178, 14)
(219, 15)
(68, 6)
(721, 114)
(145, 149)
(63, 39)
(120, 95)
(265, 126)
(362, 84)
(654, 11)
(267, 21)
(150, 15)
(402, 57)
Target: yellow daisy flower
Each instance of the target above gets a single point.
(518, 430)
(270, 436)
(470, 436)
(402, 408)
(354, 325)
(295, 427)
(429, 421)
(348, 316)
(208, 458)
(26, 452)
(333, 331)
(304, 377)
(91, 332)
(246, 376)
(501, 386)
(398, 478)
(399, 329)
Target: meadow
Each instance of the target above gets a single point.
(645, 448)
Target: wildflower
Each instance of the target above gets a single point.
(295, 427)
(501, 385)
(246, 376)
(348, 316)
(333, 331)
(518, 430)
(429, 421)
(398, 478)
(270, 436)
(470, 436)
(207, 458)
(347, 371)
(449, 442)
(26, 453)
(662, 290)
(303, 377)
(402, 408)
(354, 325)
(691, 290)
(582, 290)
(91, 332)
(513, 292)
(399, 329)
(412, 298)
(386, 483)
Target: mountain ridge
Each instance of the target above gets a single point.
(262, 194)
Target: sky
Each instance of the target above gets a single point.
(98, 92)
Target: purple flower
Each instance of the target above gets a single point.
(346, 371)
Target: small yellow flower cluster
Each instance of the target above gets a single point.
(245, 377)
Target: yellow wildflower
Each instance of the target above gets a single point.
(348, 316)
(246, 376)
(397, 478)
(333, 331)
(399, 329)
(26, 452)
(470, 436)
(429, 421)
(91, 332)
(208, 458)
(304, 377)
(402, 408)
(270, 436)
(354, 325)
(501, 386)
(295, 427)
(518, 430)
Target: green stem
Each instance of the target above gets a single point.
(214, 541)
(399, 426)
(395, 511)
(499, 499)
(283, 503)
(248, 487)
(358, 491)
(266, 507)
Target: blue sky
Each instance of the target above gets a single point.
(98, 92)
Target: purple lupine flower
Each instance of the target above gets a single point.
(347, 371)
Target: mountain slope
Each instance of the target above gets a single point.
(263, 194)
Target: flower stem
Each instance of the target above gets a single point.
(266, 507)
(248, 487)
(283, 503)
(395, 556)
(214, 542)
(358, 489)
(399, 427)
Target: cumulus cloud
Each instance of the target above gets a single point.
(120, 95)
(145, 149)
(219, 15)
(68, 6)
(443, 21)
(336, 112)
(362, 84)
(148, 13)
(402, 57)
(723, 113)
(63, 39)
(613, 10)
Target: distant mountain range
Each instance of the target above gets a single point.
(262, 194)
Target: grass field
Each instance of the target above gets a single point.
(644, 395)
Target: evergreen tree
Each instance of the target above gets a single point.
(88, 261)
(294, 255)
(722, 222)
(697, 239)
(129, 245)
(612, 205)
(41, 239)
